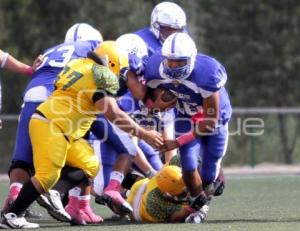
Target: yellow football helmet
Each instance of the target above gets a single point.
(112, 56)
(169, 180)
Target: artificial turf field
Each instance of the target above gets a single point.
(255, 203)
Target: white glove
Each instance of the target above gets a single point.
(198, 216)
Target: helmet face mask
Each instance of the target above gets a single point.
(181, 67)
(179, 53)
(165, 31)
(167, 15)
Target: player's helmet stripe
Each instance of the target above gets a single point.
(76, 32)
(173, 44)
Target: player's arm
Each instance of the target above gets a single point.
(111, 110)
(205, 126)
(11, 64)
(168, 133)
(181, 215)
(211, 115)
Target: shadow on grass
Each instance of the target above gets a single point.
(46, 223)
(285, 220)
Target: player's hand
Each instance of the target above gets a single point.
(37, 62)
(162, 105)
(196, 217)
(169, 145)
(153, 138)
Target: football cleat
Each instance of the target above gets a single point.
(52, 202)
(11, 220)
(115, 202)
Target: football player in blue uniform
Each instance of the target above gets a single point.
(79, 40)
(166, 18)
(198, 82)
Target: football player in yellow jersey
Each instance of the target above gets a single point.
(163, 198)
(83, 89)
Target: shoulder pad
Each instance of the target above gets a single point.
(105, 79)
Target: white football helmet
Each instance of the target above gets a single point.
(167, 14)
(181, 47)
(133, 44)
(82, 32)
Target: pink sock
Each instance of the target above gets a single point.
(14, 190)
(13, 193)
(113, 185)
(73, 201)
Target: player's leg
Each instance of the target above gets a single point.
(189, 162)
(126, 150)
(81, 155)
(49, 155)
(214, 149)
(21, 167)
(151, 155)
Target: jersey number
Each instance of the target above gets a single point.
(74, 76)
(65, 52)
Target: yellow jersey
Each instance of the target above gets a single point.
(77, 87)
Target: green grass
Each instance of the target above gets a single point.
(255, 203)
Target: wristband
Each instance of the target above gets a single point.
(29, 71)
(185, 138)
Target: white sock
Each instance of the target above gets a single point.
(75, 192)
(85, 197)
(118, 176)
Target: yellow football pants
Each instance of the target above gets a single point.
(52, 151)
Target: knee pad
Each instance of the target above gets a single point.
(22, 165)
(74, 175)
(129, 180)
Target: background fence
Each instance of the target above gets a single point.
(257, 135)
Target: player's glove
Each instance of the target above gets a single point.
(198, 216)
(136, 64)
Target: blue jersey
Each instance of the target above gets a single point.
(55, 59)
(207, 77)
(153, 44)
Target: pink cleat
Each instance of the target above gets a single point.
(87, 214)
(72, 210)
(116, 202)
